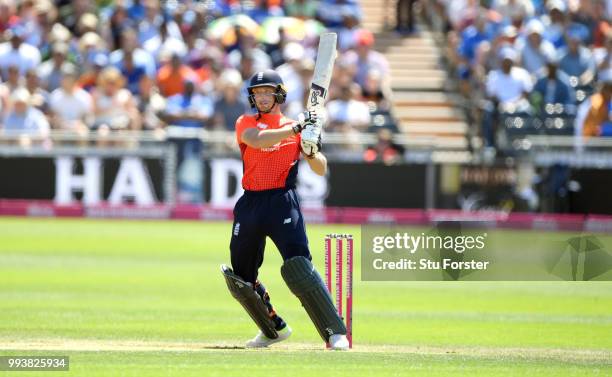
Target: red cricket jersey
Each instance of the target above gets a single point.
(273, 167)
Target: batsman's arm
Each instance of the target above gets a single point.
(255, 138)
(318, 163)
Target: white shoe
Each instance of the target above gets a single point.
(338, 342)
(260, 340)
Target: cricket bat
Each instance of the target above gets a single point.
(323, 69)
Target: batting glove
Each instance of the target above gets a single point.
(311, 139)
(304, 119)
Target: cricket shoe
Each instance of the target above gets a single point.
(261, 341)
(338, 342)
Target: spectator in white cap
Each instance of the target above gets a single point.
(509, 84)
(534, 49)
(555, 22)
(507, 88)
(512, 10)
(23, 118)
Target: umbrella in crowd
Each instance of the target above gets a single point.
(225, 28)
(295, 29)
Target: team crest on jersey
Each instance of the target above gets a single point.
(262, 126)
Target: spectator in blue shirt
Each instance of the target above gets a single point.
(577, 60)
(189, 110)
(131, 71)
(23, 118)
(471, 37)
(552, 87)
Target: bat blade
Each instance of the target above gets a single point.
(324, 66)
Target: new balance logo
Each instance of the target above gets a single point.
(287, 221)
(262, 126)
(236, 229)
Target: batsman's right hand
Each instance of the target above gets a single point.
(304, 119)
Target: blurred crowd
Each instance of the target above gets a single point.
(533, 59)
(106, 66)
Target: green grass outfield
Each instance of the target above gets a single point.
(146, 298)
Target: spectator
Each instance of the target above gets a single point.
(73, 12)
(132, 72)
(167, 39)
(577, 60)
(385, 150)
(39, 97)
(348, 111)
(331, 12)
(264, 9)
(510, 85)
(23, 118)
(136, 11)
(87, 23)
(151, 104)
(347, 34)
(17, 53)
(50, 72)
(296, 107)
(189, 110)
(150, 28)
(555, 22)
(248, 46)
(598, 121)
(374, 92)
(119, 22)
(247, 69)
(114, 107)
(129, 44)
(89, 78)
(603, 55)
(513, 10)
(471, 38)
(13, 81)
(70, 106)
(290, 71)
(364, 59)
(600, 27)
(552, 87)
(37, 23)
(507, 89)
(534, 49)
(91, 46)
(405, 16)
(302, 9)
(230, 105)
(7, 14)
(172, 76)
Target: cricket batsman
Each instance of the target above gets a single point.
(271, 145)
